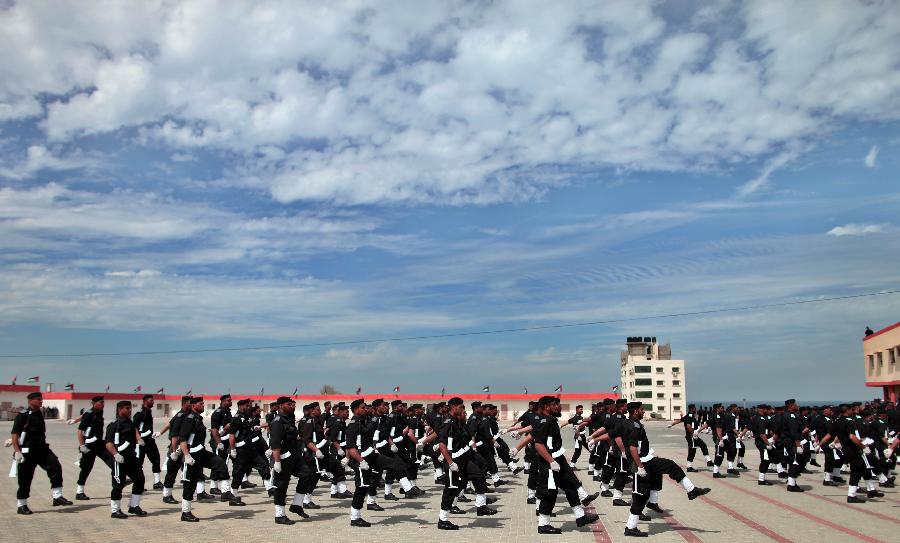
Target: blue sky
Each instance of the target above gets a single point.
(189, 176)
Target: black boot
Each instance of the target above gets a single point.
(297, 509)
(360, 523)
(236, 502)
(189, 517)
(137, 511)
(81, 496)
(588, 518)
(484, 510)
(374, 507)
(284, 520)
(119, 515)
(547, 529)
(447, 525)
(60, 501)
(170, 499)
(697, 492)
(654, 507)
(23, 510)
(634, 532)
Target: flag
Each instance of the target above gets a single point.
(160, 391)
(486, 389)
(443, 391)
(188, 393)
(526, 390)
(137, 388)
(295, 391)
(558, 389)
(615, 388)
(359, 390)
(14, 379)
(34, 379)
(397, 389)
(107, 388)
(262, 391)
(70, 386)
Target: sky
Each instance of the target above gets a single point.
(201, 175)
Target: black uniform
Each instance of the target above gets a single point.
(692, 436)
(791, 433)
(843, 427)
(245, 459)
(580, 439)
(759, 427)
(32, 431)
(220, 420)
(193, 432)
(143, 421)
(360, 437)
(284, 436)
(546, 432)
(122, 434)
(92, 427)
(656, 467)
(458, 441)
(172, 466)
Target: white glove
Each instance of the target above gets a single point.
(696, 433)
(220, 446)
(319, 454)
(119, 458)
(555, 466)
(832, 445)
(189, 460)
(515, 453)
(70, 421)
(867, 451)
(257, 428)
(394, 448)
(8, 443)
(364, 465)
(800, 449)
(420, 446)
(154, 435)
(140, 442)
(641, 472)
(232, 453)
(436, 447)
(174, 456)
(268, 453)
(769, 446)
(838, 446)
(453, 467)
(889, 452)
(19, 457)
(276, 467)
(724, 438)
(83, 448)
(344, 461)
(340, 452)
(501, 432)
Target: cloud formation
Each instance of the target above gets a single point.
(871, 157)
(853, 229)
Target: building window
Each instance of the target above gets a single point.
(660, 370)
(676, 407)
(648, 407)
(677, 395)
(676, 370)
(643, 394)
(660, 396)
(642, 369)
(871, 363)
(676, 383)
(643, 382)
(662, 408)
(660, 383)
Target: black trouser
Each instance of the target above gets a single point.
(381, 463)
(151, 451)
(470, 470)
(295, 466)
(364, 478)
(693, 444)
(242, 463)
(172, 467)
(858, 468)
(580, 444)
(549, 483)
(833, 459)
(610, 465)
(412, 466)
(43, 457)
(795, 461)
(531, 457)
(764, 456)
(725, 447)
(503, 451)
(601, 451)
(86, 464)
(132, 469)
(487, 452)
(655, 468)
(203, 459)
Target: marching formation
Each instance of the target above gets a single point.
(383, 447)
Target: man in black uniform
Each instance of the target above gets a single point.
(337, 437)
(143, 421)
(395, 426)
(618, 467)
(501, 447)
(360, 447)
(554, 472)
(218, 434)
(792, 442)
(759, 428)
(174, 461)
(692, 429)
(649, 472)
(122, 442)
(30, 450)
(287, 459)
(580, 433)
(726, 439)
(191, 437)
(524, 425)
(260, 449)
(386, 459)
(90, 443)
(241, 448)
(319, 459)
(847, 433)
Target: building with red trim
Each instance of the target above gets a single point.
(882, 361)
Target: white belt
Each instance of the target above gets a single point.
(343, 443)
(24, 450)
(123, 446)
(648, 457)
(196, 448)
(147, 433)
(367, 452)
(559, 453)
(286, 454)
(803, 442)
(240, 444)
(479, 444)
(398, 439)
(321, 444)
(90, 440)
(381, 444)
(255, 439)
(460, 452)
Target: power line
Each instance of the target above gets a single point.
(462, 334)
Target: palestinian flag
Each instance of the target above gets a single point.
(34, 379)
(70, 387)
(558, 389)
(486, 389)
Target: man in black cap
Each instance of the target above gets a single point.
(759, 429)
(30, 449)
(337, 437)
(218, 434)
(617, 469)
(723, 424)
(386, 460)
(319, 462)
(847, 432)
(90, 443)
(395, 426)
(792, 442)
(174, 461)
(554, 471)
(288, 459)
(649, 471)
(143, 420)
(196, 457)
(692, 430)
(524, 425)
(240, 447)
(122, 442)
(360, 447)
(500, 446)
(580, 435)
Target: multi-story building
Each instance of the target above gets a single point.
(649, 374)
(882, 361)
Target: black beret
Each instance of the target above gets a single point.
(634, 405)
(123, 403)
(416, 406)
(34, 395)
(224, 397)
(608, 401)
(395, 403)
(313, 405)
(196, 399)
(546, 400)
(376, 402)
(273, 404)
(245, 401)
(690, 405)
(147, 397)
(356, 403)
(621, 401)
(283, 400)
(185, 399)
(456, 400)
(476, 404)
(789, 402)
(96, 399)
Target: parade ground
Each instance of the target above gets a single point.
(736, 510)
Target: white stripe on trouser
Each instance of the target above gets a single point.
(765, 454)
(450, 474)
(116, 472)
(551, 483)
(362, 478)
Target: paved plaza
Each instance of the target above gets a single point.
(736, 510)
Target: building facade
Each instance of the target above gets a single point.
(650, 374)
(882, 358)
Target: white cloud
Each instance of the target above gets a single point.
(853, 229)
(871, 157)
(39, 158)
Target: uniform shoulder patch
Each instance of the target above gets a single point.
(637, 424)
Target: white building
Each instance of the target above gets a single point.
(650, 375)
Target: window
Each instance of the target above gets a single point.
(643, 382)
(642, 369)
(676, 370)
(660, 396)
(662, 408)
(676, 383)
(676, 407)
(643, 394)
(660, 370)
(660, 383)
(871, 363)
(677, 395)
(648, 407)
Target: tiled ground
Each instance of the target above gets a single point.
(736, 510)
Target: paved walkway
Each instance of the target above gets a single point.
(736, 510)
